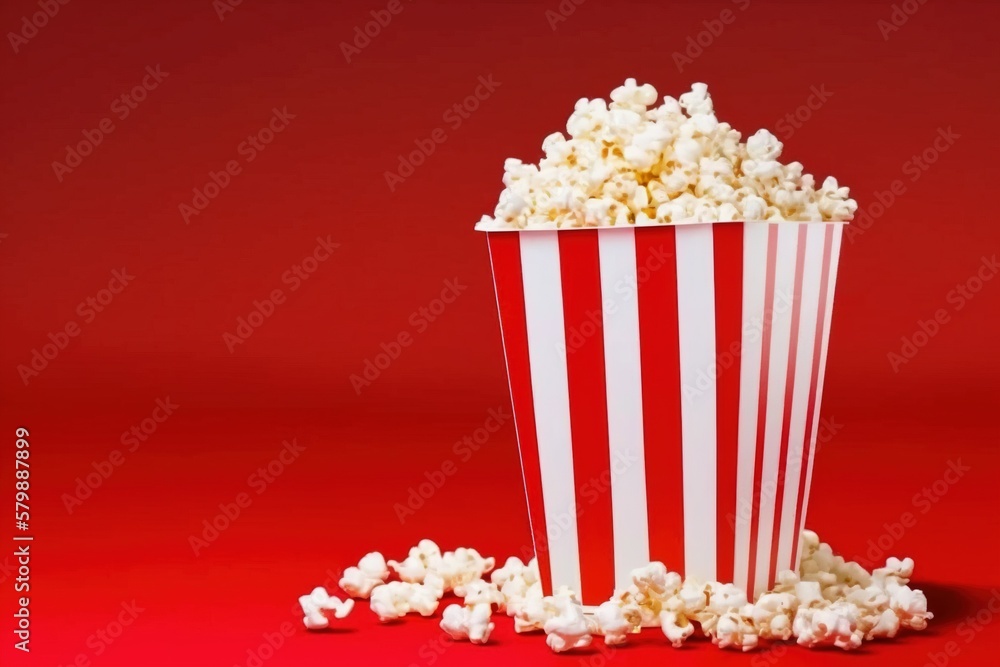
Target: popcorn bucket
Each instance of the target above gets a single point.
(666, 383)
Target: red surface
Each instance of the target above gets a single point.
(894, 433)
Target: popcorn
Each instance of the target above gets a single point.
(723, 600)
(532, 612)
(370, 572)
(629, 162)
(833, 625)
(829, 602)
(772, 615)
(398, 598)
(316, 605)
(567, 628)
(461, 566)
(733, 630)
(413, 569)
(612, 624)
(479, 592)
(446, 570)
(676, 627)
(468, 623)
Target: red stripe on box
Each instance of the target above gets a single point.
(588, 403)
(505, 255)
(813, 386)
(728, 248)
(765, 360)
(655, 249)
(786, 422)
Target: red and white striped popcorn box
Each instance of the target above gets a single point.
(666, 383)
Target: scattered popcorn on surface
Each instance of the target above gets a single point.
(568, 628)
(630, 162)
(612, 624)
(829, 602)
(316, 605)
(371, 571)
(414, 567)
(471, 623)
(676, 627)
(398, 598)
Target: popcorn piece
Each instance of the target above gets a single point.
(532, 612)
(772, 615)
(468, 623)
(833, 625)
(414, 567)
(612, 624)
(723, 599)
(319, 607)
(676, 627)
(732, 630)
(370, 572)
(512, 568)
(568, 627)
(910, 606)
(479, 592)
(461, 566)
(398, 598)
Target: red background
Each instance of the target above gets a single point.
(323, 175)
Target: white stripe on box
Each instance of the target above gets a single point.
(754, 282)
(838, 231)
(781, 327)
(623, 373)
(808, 317)
(696, 333)
(543, 306)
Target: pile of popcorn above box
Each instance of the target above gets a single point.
(829, 602)
(629, 162)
